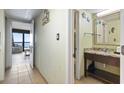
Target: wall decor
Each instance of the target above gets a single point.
(112, 29)
(114, 39)
(45, 17)
(88, 20)
(83, 15)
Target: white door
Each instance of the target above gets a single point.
(32, 44)
(76, 42)
(122, 45)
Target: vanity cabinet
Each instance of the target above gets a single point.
(105, 76)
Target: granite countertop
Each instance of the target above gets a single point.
(102, 53)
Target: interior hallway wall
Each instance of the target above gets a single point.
(85, 40)
(2, 44)
(51, 54)
(8, 43)
(21, 25)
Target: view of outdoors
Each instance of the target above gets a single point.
(26, 40)
(18, 39)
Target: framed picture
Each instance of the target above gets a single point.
(45, 17)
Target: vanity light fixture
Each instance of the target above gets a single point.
(107, 12)
(88, 20)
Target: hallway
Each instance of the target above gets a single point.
(22, 73)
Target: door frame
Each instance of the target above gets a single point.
(75, 19)
(77, 46)
(32, 44)
(9, 22)
(121, 44)
(69, 55)
(70, 65)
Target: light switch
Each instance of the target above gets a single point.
(57, 36)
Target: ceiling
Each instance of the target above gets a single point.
(109, 17)
(25, 15)
(95, 10)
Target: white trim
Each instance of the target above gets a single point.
(8, 42)
(32, 43)
(78, 50)
(122, 43)
(69, 57)
(2, 45)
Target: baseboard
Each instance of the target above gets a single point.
(41, 75)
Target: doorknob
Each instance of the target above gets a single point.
(122, 49)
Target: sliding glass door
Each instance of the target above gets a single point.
(21, 39)
(26, 40)
(17, 39)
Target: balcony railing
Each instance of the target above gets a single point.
(26, 44)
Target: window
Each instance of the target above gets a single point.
(21, 38)
(26, 40)
(17, 39)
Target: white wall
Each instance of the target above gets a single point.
(2, 44)
(21, 25)
(8, 43)
(122, 44)
(85, 40)
(51, 54)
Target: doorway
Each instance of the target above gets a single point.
(21, 69)
(21, 43)
(20, 46)
(76, 44)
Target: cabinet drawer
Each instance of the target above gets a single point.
(88, 56)
(113, 61)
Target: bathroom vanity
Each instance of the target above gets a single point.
(105, 58)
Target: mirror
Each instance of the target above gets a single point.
(107, 29)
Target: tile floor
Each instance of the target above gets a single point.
(88, 80)
(20, 58)
(22, 73)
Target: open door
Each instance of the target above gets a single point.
(77, 47)
(76, 43)
(32, 44)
